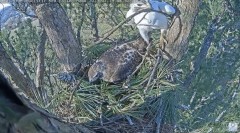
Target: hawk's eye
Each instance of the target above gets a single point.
(139, 4)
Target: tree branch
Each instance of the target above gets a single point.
(81, 23)
(125, 21)
(23, 82)
(154, 71)
(41, 67)
(203, 51)
(14, 55)
(94, 19)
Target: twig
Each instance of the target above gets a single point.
(231, 8)
(220, 116)
(192, 98)
(142, 18)
(29, 15)
(126, 20)
(139, 66)
(159, 117)
(75, 87)
(129, 120)
(154, 70)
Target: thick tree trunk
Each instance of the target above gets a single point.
(182, 24)
(177, 38)
(60, 33)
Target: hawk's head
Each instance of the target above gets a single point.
(96, 71)
(138, 5)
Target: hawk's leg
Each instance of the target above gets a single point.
(67, 77)
(144, 32)
(163, 40)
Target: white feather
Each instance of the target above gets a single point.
(147, 21)
(162, 6)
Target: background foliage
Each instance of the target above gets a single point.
(208, 105)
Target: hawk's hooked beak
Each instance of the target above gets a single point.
(95, 77)
(142, 6)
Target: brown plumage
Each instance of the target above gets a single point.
(117, 63)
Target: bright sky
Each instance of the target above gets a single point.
(2, 5)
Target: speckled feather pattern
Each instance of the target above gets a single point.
(118, 62)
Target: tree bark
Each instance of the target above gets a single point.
(23, 82)
(60, 33)
(41, 67)
(182, 24)
(94, 19)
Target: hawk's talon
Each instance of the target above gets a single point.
(67, 77)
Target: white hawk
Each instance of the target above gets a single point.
(148, 21)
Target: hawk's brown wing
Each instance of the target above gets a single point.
(126, 65)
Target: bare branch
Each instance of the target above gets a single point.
(125, 21)
(94, 19)
(154, 70)
(81, 23)
(203, 51)
(41, 67)
(126, 84)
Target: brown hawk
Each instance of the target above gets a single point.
(117, 63)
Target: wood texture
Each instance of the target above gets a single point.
(181, 27)
(60, 33)
(23, 82)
